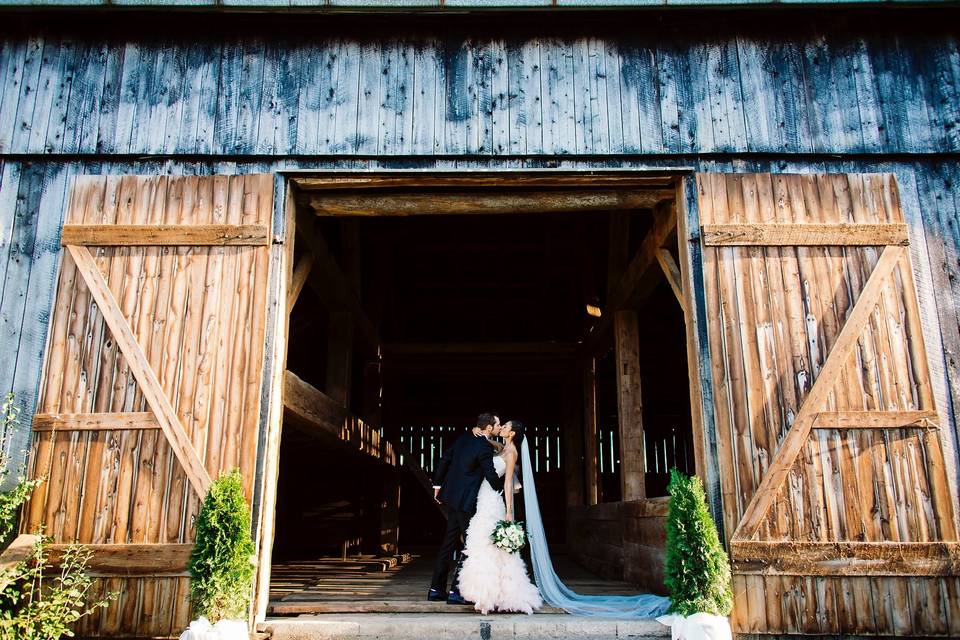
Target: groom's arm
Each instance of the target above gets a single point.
(489, 471)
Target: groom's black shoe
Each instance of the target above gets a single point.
(456, 598)
(435, 595)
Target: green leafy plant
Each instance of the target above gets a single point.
(221, 564)
(697, 569)
(38, 601)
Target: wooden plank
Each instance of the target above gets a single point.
(484, 202)
(396, 180)
(305, 404)
(806, 234)
(300, 274)
(629, 406)
(795, 438)
(20, 550)
(131, 559)
(140, 366)
(165, 234)
(94, 421)
(803, 558)
(875, 419)
(671, 272)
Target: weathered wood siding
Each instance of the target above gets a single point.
(839, 86)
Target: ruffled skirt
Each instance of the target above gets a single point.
(491, 578)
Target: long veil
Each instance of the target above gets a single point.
(553, 590)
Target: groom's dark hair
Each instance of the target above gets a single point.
(484, 420)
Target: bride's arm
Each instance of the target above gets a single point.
(511, 460)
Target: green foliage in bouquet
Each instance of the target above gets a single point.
(697, 568)
(38, 601)
(221, 564)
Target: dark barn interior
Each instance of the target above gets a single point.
(471, 313)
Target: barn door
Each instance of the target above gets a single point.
(152, 380)
(835, 497)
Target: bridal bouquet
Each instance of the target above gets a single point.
(509, 536)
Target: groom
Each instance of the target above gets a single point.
(456, 483)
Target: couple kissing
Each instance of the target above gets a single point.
(475, 482)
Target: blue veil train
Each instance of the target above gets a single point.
(552, 589)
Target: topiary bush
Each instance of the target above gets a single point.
(221, 564)
(697, 570)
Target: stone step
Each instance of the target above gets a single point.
(459, 627)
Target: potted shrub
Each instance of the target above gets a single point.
(697, 571)
(221, 564)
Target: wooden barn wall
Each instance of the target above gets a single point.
(32, 199)
(802, 84)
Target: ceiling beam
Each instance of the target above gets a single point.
(500, 201)
(329, 282)
(409, 350)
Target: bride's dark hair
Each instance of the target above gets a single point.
(518, 432)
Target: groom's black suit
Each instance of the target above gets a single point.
(459, 473)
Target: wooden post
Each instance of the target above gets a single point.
(390, 513)
(340, 357)
(629, 405)
(370, 402)
(590, 429)
(572, 444)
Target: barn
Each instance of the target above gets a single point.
(312, 240)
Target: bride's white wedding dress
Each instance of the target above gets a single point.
(491, 578)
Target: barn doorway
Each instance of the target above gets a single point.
(416, 304)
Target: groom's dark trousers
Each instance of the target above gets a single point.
(460, 471)
(450, 549)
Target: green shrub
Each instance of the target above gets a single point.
(221, 565)
(697, 569)
(36, 601)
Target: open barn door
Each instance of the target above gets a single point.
(153, 377)
(836, 501)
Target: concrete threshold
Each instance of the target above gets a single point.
(423, 626)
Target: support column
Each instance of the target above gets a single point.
(629, 405)
(572, 444)
(340, 357)
(390, 514)
(590, 430)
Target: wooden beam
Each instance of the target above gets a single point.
(140, 367)
(618, 245)
(799, 431)
(140, 560)
(500, 180)
(479, 349)
(590, 431)
(94, 421)
(875, 419)
(20, 550)
(315, 413)
(640, 278)
(629, 406)
(672, 273)
(300, 274)
(806, 234)
(327, 279)
(164, 234)
(845, 558)
(483, 202)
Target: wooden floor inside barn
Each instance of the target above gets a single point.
(390, 585)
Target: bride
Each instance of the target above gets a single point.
(497, 581)
(491, 578)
